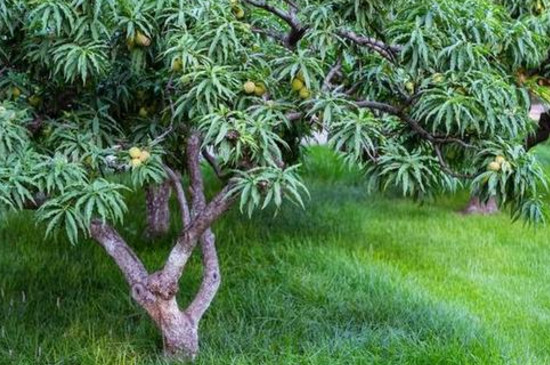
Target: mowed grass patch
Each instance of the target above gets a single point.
(353, 279)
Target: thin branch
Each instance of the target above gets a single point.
(386, 51)
(390, 109)
(170, 129)
(287, 17)
(386, 108)
(175, 179)
(297, 31)
(353, 88)
(214, 164)
(211, 277)
(332, 73)
(292, 4)
(195, 174)
(270, 33)
(293, 116)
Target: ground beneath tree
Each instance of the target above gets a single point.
(355, 279)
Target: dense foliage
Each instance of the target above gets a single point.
(424, 95)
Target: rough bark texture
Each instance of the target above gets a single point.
(156, 292)
(179, 330)
(476, 206)
(180, 335)
(157, 199)
(211, 277)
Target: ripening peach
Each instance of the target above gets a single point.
(134, 152)
(249, 87)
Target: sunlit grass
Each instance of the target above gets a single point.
(353, 279)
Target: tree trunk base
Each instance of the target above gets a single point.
(180, 337)
(476, 206)
(158, 210)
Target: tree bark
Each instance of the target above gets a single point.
(157, 200)
(180, 335)
(476, 206)
(179, 330)
(156, 292)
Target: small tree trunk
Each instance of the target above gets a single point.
(476, 206)
(180, 336)
(157, 292)
(158, 210)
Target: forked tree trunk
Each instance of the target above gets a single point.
(156, 292)
(476, 206)
(157, 198)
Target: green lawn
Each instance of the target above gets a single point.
(354, 279)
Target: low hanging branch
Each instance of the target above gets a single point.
(390, 109)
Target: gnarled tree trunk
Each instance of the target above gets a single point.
(157, 198)
(156, 292)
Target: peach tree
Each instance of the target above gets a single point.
(98, 97)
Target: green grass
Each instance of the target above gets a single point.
(354, 279)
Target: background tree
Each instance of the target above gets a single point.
(108, 95)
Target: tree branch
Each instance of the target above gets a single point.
(541, 134)
(124, 256)
(195, 173)
(287, 17)
(165, 282)
(175, 179)
(270, 33)
(214, 164)
(390, 109)
(297, 31)
(332, 73)
(211, 277)
(386, 51)
(131, 266)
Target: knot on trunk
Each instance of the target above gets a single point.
(141, 294)
(162, 286)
